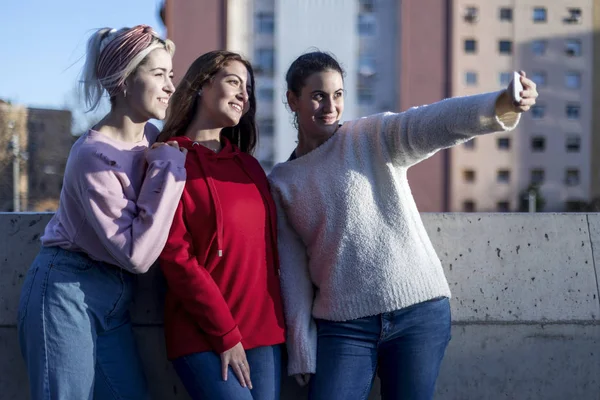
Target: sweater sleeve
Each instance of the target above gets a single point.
(133, 233)
(419, 132)
(298, 296)
(194, 286)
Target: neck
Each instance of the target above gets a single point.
(307, 143)
(121, 126)
(204, 133)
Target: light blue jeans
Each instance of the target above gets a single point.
(201, 375)
(74, 329)
(405, 348)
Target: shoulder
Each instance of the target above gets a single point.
(278, 173)
(252, 166)
(92, 158)
(151, 132)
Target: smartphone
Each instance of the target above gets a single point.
(517, 87)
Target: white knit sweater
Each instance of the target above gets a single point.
(351, 241)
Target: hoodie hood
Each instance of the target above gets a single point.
(205, 156)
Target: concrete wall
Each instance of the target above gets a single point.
(525, 307)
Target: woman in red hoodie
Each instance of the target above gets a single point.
(223, 313)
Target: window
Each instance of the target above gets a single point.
(539, 78)
(366, 24)
(503, 206)
(471, 15)
(538, 47)
(573, 17)
(367, 6)
(576, 206)
(503, 143)
(470, 46)
(505, 78)
(470, 78)
(573, 47)
(573, 80)
(505, 47)
(573, 144)
(266, 127)
(537, 176)
(366, 90)
(366, 65)
(506, 14)
(572, 177)
(573, 110)
(503, 176)
(538, 111)
(538, 144)
(469, 144)
(265, 61)
(539, 14)
(469, 206)
(265, 22)
(265, 94)
(469, 175)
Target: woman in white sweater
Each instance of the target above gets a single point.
(363, 288)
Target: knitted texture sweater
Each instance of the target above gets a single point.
(351, 240)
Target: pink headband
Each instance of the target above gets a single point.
(119, 52)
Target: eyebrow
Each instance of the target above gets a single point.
(160, 68)
(322, 91)
(241, 80)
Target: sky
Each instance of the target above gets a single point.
(43, 43)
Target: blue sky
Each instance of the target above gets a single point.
(43, 43)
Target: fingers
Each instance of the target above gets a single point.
(224, 367)
(529, 94)
(245, 369)
(302, 379)
(173, 144)
(242, 372)
(236, 359)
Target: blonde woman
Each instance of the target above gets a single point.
(117, 203)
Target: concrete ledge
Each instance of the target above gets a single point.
(519, 267)
(525, 307)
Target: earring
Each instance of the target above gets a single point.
(200, 92)
(125, 93)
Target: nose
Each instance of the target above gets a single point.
(329, 105)
(243, 95)
(169, 87)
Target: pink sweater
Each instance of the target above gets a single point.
(118, 200)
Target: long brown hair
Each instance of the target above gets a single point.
(185, 100)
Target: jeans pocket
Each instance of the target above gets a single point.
(26, 293)
(72, 264)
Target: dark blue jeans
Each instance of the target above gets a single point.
(405, 348)
(200, 373)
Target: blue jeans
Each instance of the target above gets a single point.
(404, 347)
(200, 373)
(74, 329)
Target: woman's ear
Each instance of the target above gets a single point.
(292, 100)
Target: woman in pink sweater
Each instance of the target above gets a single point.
(116, 206)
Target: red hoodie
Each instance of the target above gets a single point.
(220, 260)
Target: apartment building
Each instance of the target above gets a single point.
(552, 147)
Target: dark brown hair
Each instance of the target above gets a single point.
(308, 64)
(185, 100)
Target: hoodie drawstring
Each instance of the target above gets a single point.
(214, 195)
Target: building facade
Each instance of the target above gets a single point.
(552, 147)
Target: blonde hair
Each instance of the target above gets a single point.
(126, 54)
